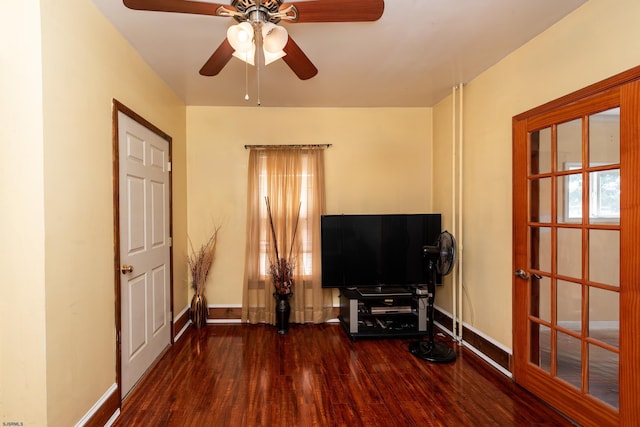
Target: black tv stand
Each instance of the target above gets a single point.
(383, 312)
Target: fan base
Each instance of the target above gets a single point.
(435, 352)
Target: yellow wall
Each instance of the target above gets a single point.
(57, 216)
(596, 41)
(22, 300)
(57, 192)
(379, 163)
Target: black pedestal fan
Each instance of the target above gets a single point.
(440, 259)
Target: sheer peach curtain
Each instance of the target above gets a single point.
(293, 180)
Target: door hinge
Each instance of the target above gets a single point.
(168, 166)
(170, 241)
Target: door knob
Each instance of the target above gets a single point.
(521, 274)
(126, 268)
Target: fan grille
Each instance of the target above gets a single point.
(245, 6)
(447, 253)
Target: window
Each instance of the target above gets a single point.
(293, 180)
(604, 194)
(303, 233)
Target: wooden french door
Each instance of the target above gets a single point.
(576, 289)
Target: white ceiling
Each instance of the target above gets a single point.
(411, 57)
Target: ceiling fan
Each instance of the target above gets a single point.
(257, 19)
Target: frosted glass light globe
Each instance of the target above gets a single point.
(274, 37)
(241, 36)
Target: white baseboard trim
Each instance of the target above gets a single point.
(473, 349)
(487, 359)
(182, 331)
(183, 312)
(113, 419)
(440, 325)
(474, 330)
(477, 352)
(487, 338)
(223, 321)
(97, 405)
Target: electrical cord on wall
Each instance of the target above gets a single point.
(470, 305)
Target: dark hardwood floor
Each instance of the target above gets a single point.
(248, 375)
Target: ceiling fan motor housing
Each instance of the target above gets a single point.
(257, 11)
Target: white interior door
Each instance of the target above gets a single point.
(144, 248)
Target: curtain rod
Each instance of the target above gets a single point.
(275, 146)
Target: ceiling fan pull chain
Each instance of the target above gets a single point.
(258, 69)
(259, 52)
(246, 80)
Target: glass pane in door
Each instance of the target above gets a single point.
(604, 196)
(569, 145)
(569, 359)
(604, 257)
(569, 197)
(604, 316)
(604, 137)
(569, 306)
(541, 298)
(540, 151)
(569, 252)
(540, 346)
(603, 375)
(540, 200)
(541, 248)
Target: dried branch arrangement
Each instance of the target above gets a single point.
(282, 269)
(201, 260)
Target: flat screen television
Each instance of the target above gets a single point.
(376, 250)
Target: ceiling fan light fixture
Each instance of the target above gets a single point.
(240, 37)
(274, 37)
(247, 56)
(270, 57)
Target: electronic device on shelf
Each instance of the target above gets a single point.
(379, 316)
(391, 309)
(376, 254)
(441, 257)
(384, 291)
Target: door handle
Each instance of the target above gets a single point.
(521, 274)
(524, 275)
(126, 268)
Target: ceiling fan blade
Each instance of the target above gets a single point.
(218, 59)
(298, 61)
(179, 6)
(337, 10)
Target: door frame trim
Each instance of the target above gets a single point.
(628, 409)
(119, 107)
(610, 83)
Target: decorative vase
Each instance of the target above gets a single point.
(199, 311)
(283, 310)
